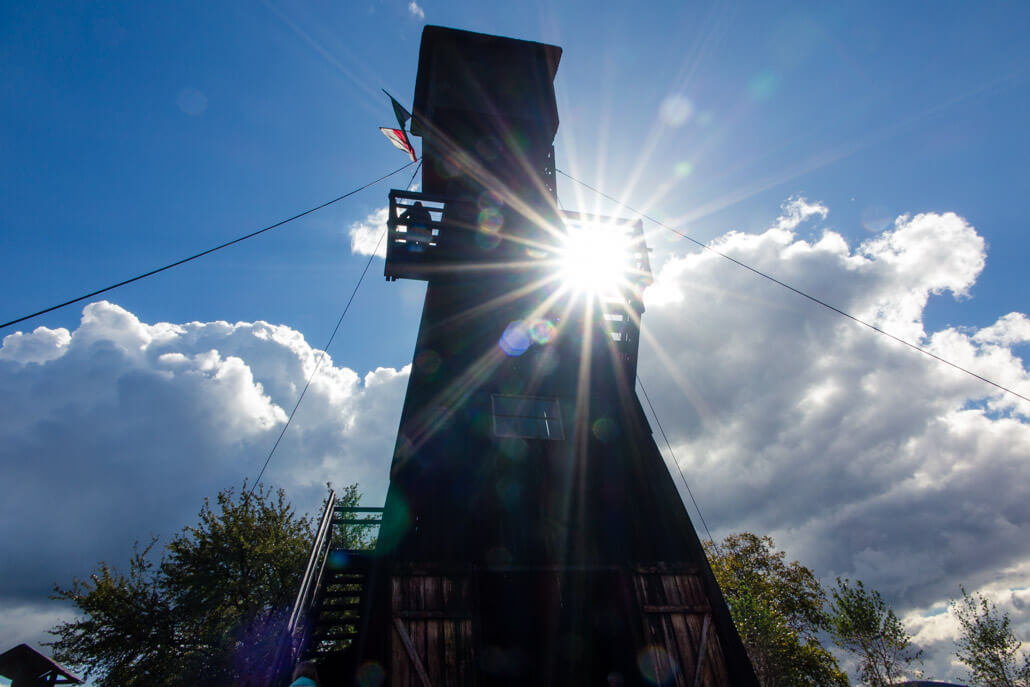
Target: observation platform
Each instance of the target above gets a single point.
(432, 235)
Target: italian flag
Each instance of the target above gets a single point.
(400, 140)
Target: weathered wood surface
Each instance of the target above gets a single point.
(677, 622)
(434, 612)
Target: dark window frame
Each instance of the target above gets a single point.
(527, 417)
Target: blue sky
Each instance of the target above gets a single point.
(898, 107)
(133, 134)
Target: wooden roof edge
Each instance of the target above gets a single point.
(25, 658)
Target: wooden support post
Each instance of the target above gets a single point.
(701, 649)
(409, 646)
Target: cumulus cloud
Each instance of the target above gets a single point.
(1010, 330)
(797, 210)
(861, 457)
(416, 10)
(117, 430)
(366, 236)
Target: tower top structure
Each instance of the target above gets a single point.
(495, 76)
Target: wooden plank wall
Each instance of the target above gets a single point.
(431, 637)
(677, 619)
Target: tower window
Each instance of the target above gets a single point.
(529, 417)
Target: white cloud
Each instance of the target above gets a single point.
(29, 621)
(365, 235)
(1010, 330)
(936, 628)
(416, 10)
(675, 110)
(38, 347)
(117, 430)
(797, 210)
(859, 456)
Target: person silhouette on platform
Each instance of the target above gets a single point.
(419, 224)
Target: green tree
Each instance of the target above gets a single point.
(778, 610)
(210, 612)
(863, 624)
(987, 645)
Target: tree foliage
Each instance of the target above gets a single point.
(209, 613)
(778, 610)
(987, 645)
(862, 623)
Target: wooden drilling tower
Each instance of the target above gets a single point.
(532, 534)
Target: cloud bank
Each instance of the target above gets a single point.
(367, 236)
(117, 431)
(858, 455)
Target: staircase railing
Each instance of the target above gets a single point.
(296, 634)
(288, 644)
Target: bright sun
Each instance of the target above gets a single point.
(595, 258)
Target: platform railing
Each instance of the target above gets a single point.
(296, 635)
(425, 234)
(412, 241)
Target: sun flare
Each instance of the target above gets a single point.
(595, 259)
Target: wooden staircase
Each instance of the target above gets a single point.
(327, 614)
(335, 615)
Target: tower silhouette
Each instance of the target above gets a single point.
(532, 534)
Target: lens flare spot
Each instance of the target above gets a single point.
(487, 148)
(490, 220)
(675, 110)
(396, 522)
(509, 493)
(446, 167)
(517, 140)
(488, 241)
(336, 560)
(547, 362)
(427, 363)
(516, 339)
(482, 423)
(605, 429)
(875, 218)
(371, 674)
(657, 666)
(498, 555)
(511, 385)
(191, 101)
(489, 199)
(542, 331)
(683, 169)
(514, 449)
(763, 85)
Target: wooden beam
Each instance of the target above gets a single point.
(409, 646)
(693, 610)
(432, 615)
(701, 649)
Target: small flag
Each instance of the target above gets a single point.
(402, 115)
(400, 140)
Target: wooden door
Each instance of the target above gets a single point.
(683, 647)
(431, 633)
